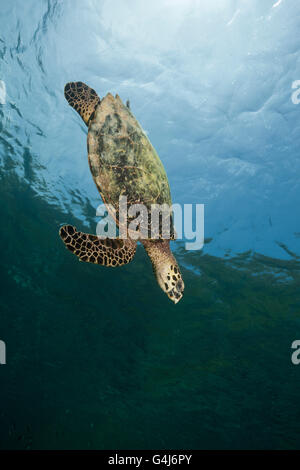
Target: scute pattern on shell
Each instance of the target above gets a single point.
(123, 161)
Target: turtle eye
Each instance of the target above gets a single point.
(180, 285)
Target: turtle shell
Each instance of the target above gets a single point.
(124, 163)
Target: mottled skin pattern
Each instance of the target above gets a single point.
(89, 248)
(82, 99)
(123, 162)
(165, 268)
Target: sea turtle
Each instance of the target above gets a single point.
(123, 163)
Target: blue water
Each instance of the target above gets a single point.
(100, 358)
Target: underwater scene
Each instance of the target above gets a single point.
(143, 347)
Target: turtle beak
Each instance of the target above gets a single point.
(169, 278)
(176, 293)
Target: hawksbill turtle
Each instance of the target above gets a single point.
(122, 162)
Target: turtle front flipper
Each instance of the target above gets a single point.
(92, 249)
(82, 98)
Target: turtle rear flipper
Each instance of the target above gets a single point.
(82, 98)
(90, 248)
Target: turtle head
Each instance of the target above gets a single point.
(169, 278)
(165, 267)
